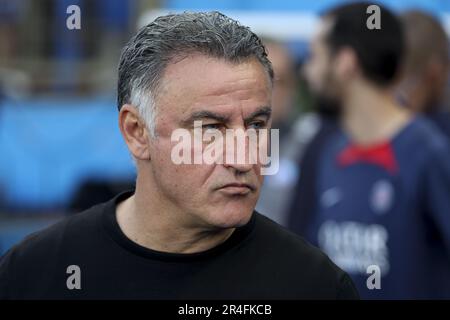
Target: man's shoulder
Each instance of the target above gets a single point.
(280, 237)
(30, 266)
(49, 241)
(302, 255)
(302, 263)
(424, 131)
(434, 145)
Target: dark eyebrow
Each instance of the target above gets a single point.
(265, 111)
(204, 114)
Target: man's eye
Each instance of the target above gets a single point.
(257, 125)
(211, 126)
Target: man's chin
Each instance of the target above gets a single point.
(226, 219)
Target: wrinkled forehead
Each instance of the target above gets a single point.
(200, 82)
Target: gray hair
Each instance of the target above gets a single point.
(147, 54)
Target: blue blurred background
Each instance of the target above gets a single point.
(60, 147)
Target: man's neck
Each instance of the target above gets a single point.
(148, 223)
(371, 115)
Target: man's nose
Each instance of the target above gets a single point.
(238, 154)
(239, 168)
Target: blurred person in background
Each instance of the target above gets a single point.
(381, 197)
(275, 192)
(299, 134)
(425, 69)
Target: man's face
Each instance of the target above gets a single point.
(223, 96)
(319, 69)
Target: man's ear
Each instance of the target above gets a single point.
(134, 131)
(346, 64)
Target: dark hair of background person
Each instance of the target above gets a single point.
(379, 51)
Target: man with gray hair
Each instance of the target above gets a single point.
(187, 231)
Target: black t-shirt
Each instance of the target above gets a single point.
(87, 256)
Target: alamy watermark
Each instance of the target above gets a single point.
(374, 20)
(374, 279)
(73, 281)
(231, 146)
(73, 21)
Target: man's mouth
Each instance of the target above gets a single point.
(237, 188)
